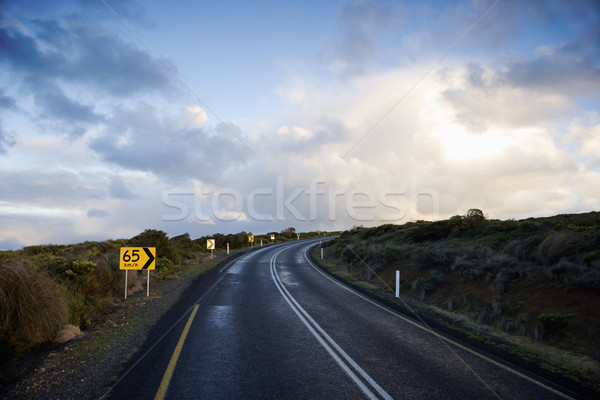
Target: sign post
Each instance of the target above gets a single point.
(138, 258)
(210, 245)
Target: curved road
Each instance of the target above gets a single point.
(271, 325)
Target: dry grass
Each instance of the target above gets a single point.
(33, 307)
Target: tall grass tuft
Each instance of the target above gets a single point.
(33, 307)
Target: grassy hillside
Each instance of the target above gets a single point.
(537, 278)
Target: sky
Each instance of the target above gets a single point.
(205, 117)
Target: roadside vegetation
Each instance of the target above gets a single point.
(47, 291)
(536, 279)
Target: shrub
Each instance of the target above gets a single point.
(158, 239)
(427, 257)
(592, 259)
(165, 269)
(85, 309)
(33, 307)
(553, 324)
(558, 245)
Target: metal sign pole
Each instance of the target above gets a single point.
(148, 285)
(126, 283)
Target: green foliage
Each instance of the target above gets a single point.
(554, 324)
(592, 259)
(32, 308)
(84, 309)
(165, 269)
(158, 239)
(474, 216)
(515, 308)
(558, 245)
(185, 247)
(434, 279)
(289, 233)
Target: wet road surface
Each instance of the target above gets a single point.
(271, 325)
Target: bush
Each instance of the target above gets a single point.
(33, 307)
(592, 259)
(558, 245)
(158, 239)
(165, 269)
(554, 324)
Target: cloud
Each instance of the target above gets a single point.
(361, 25)
(58, 106)
(118, 189)
(191, 117)
(585, 133)
(7, 102)
(480, 100)
(80, 53)
(48, 189)
(97, 213)
(146, 142)
(570, 69)
(6, 140)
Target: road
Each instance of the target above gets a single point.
(271, 325)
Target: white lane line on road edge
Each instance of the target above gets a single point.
(440, 336)
(305, 318)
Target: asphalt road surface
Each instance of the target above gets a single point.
(271, 325)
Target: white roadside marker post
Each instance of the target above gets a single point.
(321, 253)
(227, 248)
(397, 283)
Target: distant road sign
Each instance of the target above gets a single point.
(210, 244)
(251, 239)
(272, 237)
(137, 258)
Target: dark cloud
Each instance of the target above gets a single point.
(81, 53)
(360, 26)
(97, 213)
(154, 146)
(7, 102)
(6, 140)
(571, 69)
(119, 190)
(58, 106)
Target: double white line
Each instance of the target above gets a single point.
(350, 367)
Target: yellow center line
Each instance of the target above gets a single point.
(162, 389)
(231, 262)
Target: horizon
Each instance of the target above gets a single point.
(201, 118)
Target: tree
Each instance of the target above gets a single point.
(474, 216)
(289, 232)
(158, 239)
